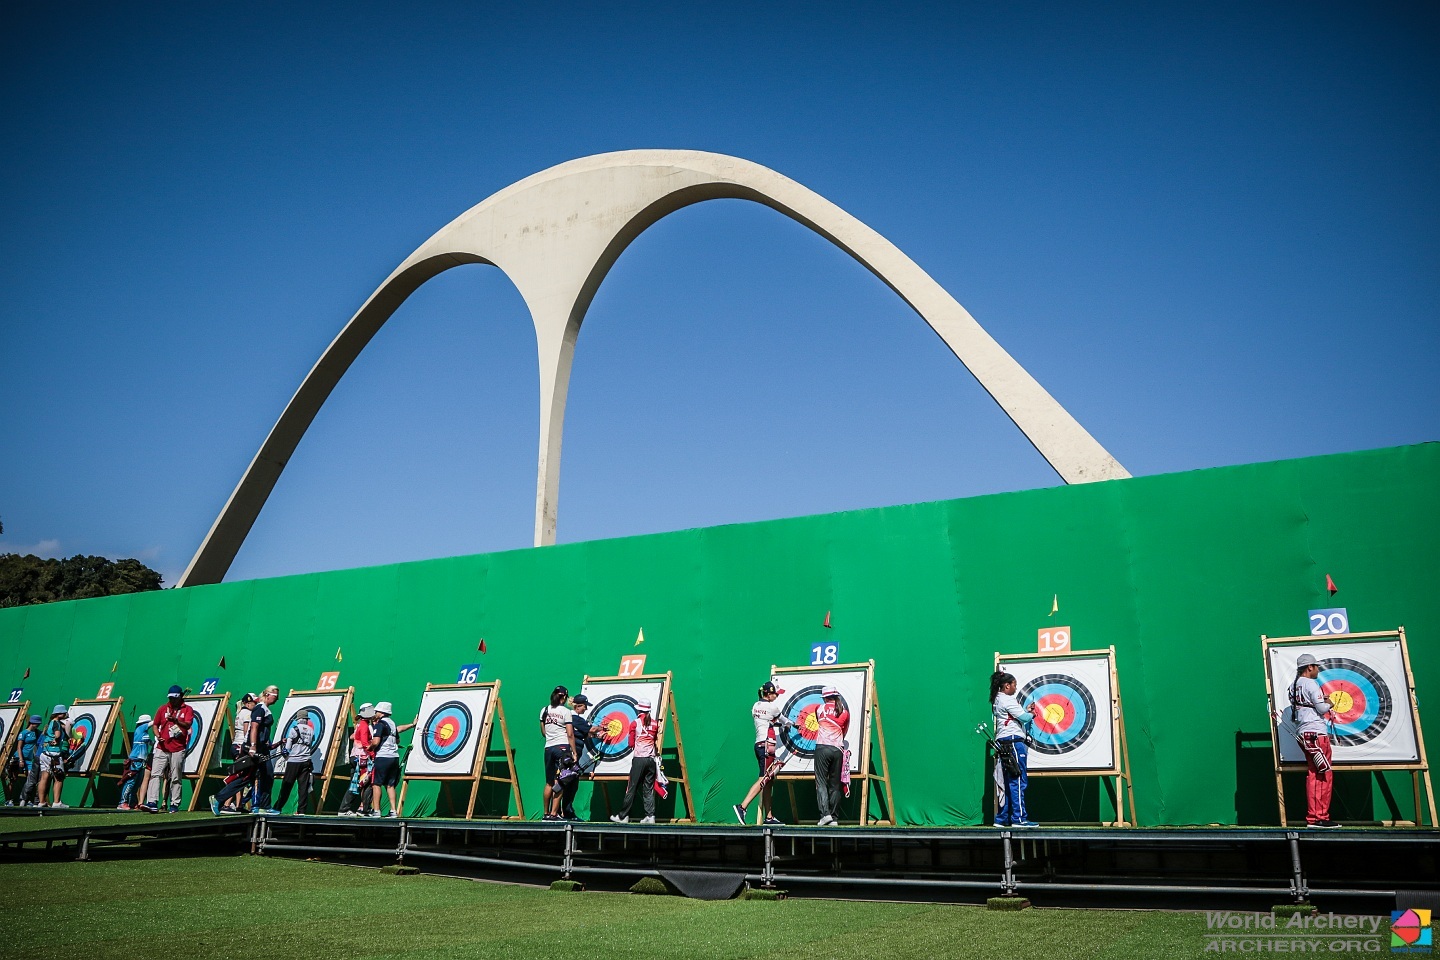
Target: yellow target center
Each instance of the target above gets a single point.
(811, 724)
(612, 728)
(447, 729)
(1342, 701)
(1053, 713)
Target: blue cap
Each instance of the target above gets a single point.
(59, 709)
(34, 718)
(176, 690)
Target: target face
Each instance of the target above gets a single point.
(800, 708)
(450, 729)
(88, 723)
(610, 730)
(447, 731)
(1360, 699)
(322, 710)
(1075, 728)
(612, 712)
(202, 730)
(1065, 716)
(1372, 720)
(12, 721)
(83, 730)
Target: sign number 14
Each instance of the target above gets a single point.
(1055, 640)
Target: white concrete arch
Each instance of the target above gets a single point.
(555, 235)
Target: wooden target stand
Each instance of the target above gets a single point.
(344, 717)
(212, 737)
(868, 771)
(1119, 744)
(1419, 770)
(680, 783)
(494, 709)
(104, 738)
(12, 736)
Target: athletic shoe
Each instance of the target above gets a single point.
(60, 806)
(616, 818)
(373, 815)
(1025, 823)
(739, 813)
(392, 815)
(268, 812)
(174, 808)
(1001, 825)
(774, 822)
(648, 820)
(148, 808)
(215, 806)
(825, 821)
(118, 806)
(11, 803)
(346, 813)
(1325, 825)
(551, 817)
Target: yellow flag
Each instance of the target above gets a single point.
(641, 638)
(116, 667)
(338, 658)
(1055, 604)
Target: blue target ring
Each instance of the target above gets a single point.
(197, 728)
(610, 730)
(447, 731)
(800, 711)
(82, 731)
(1361, 700)
(1067, 713)
(317, 722)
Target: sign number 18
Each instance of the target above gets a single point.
(824, 654)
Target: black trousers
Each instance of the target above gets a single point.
(828, 761)
(296, 773)
(642, 777)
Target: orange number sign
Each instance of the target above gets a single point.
(105, 691)
(1055, 640)
(328, 680)
(632, 666)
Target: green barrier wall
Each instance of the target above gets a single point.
(1181, 573)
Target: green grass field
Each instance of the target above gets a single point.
(253, 907)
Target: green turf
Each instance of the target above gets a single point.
(247, 907)
(79, 821)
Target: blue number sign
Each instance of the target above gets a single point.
(1323, 623)
(824, 654)
(469, 673)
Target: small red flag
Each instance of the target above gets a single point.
(827, 619)
(481, 648)
(222, 663)
(1330, 585)
(27, 674)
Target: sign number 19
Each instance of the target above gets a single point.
(1054, 639)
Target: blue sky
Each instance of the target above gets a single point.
(1211, 232)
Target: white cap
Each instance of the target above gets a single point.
(144, 718)
(829, 692)
(385, 707)
(643, 706)
(367, 710)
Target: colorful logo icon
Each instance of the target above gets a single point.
(1410, 931)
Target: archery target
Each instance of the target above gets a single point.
(800, 700)
(323, 712)
(87, 722)
(1074, 729)
(201, 731)
(11, 723)
(1364, 680)
(449, 731)
(611, 713)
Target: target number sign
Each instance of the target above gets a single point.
(632, 665)
(328, 680)
(1055, 640)
(469, 673)
(16, 694)
(824, 654)
(208, 687)
(1071, 697)
(1371, 720)
(1334, 620)
(105, 691)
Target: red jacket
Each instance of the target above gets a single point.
(172, 728)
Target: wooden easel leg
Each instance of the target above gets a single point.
(1280, 791)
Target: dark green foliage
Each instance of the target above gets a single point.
(1007, 903)
(31, 579)
(755, 893)
(567, 886)
(1287, 910)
